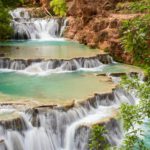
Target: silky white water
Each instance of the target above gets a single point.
(26, 27)
(56, 129)
(52, 66)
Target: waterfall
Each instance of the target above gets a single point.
(39, 66)
(26, 27)
(62, 128)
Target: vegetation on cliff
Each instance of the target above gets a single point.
(5, 18)
(98, 140)
(5, 29)
(134, 116)
(11, 3)
(134, 6)
(135, 38)
(59, 7)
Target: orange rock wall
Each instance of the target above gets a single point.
(93, 23)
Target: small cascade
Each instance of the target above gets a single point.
(26, 27)
(39, 66)
(66, 128)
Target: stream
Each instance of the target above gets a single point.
(53, 90)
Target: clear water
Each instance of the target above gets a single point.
(54, 87)
(119, 68)
(62, 86)
(59, 49)
(57, 87)
(146, 128)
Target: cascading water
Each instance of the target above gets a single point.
(26, 27)
(57, 128)
(39, 66)
(65, 129)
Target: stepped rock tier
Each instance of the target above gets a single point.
(55, 54)
(53, 91)
(72, 64)
(67, 127)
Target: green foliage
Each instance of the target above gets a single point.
(11, 3)
(133, 142)
(134, 6)
(140, 6)
(98, 140)
(59, 7)
(5, 29)
(133, 116)
(5, 18)
(130, 115)
(135, 39)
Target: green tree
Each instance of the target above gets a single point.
(5, 29)
(133, 116)
(5, 18)
(135, 35)
(59, 7)
(11, 3)
(98, 140)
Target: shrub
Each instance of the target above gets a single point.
(98, 140)
(133, 116)
(59, 7)
(135, 38)
(134, 6)
(5, 29)
(5, 18)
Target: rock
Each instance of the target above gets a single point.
(12, 121)
(92, 23)
(35, 118)
(92, 45)
(2, 55)
(103, 36)
(3, 145)
(100, 25)
(17, 47)
(1, 141)
(114, 23)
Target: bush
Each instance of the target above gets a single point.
(133, 116)
(5, 29)
(11, 3)
(5, 19)
(137, 6)
(135, 38)
(98, 140)
(59, 7)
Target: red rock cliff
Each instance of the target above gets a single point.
(92, 22)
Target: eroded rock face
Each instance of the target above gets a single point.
(111, 125)
(15, 122)
(89, 7)
(92, 23)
